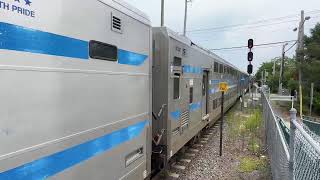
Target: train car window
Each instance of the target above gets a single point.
(176, 86)
(191, 95)
(221, 68)
(212, 104)
(216, 67)
(103, 51)
(177, 61)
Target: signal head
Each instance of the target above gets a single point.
(250, 56)
(250, 43)
(250, 69)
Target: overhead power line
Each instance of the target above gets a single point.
(253, 23)
(251, 27)
(291, 46)
(256, 45)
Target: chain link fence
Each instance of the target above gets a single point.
(313, 124)
(294, 151)
(276, 145)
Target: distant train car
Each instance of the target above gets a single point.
(186, 97)
(75, 90)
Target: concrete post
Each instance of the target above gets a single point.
(293, 118)
(311, 99)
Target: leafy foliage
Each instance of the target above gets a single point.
(289, 74)
(311, 67)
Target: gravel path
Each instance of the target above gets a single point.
(209, 165)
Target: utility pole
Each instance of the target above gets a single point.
(282, 68)
(300, 54)
(274, 68)
(262, 78)
(185, 17)
(162, 13)
(265, 76)
(311, 99)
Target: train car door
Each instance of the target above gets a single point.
(205, 90)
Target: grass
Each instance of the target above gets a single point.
(254, 145)
(254, 122)
(249, 164)
(246, 127)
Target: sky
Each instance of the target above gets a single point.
(204, 14)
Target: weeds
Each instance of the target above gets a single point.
(249, 164)
(245, 126)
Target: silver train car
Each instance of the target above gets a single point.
(90, 91)
(186, 96)
(75, 90)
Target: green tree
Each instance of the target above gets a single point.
(311, 68)
(310, 71)
(273, 80)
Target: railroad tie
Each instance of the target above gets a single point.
(203, 142)
(198, 145)
(193, 150)
(179, 167)
(190, 154)
(185, 160)
(173, 175)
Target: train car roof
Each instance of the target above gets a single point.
(188, 42)
(128, 9)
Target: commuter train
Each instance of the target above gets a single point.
(89, 90)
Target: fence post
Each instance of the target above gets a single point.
(293, 117)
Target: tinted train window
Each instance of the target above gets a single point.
(176, 86)
(191, 95)
(216, 67)
(177, 61)
(103, 51)
(221, 68)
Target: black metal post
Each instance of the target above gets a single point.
(221, 122)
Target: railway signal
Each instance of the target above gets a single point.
(250, 43)
(250, 56)
(250, 68)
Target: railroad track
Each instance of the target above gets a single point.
(181, 160)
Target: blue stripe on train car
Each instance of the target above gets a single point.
(195, 106)
(53, 164)
(18, 38)
(215, 81)
(130, 58)
(191, 69)
(176, 115)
